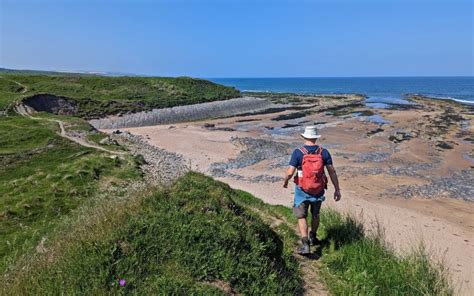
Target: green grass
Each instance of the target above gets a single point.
(100, 95)
(18, 134)
(44, 177)
(96, 138)
(363, 264)
(199, 231)
(358, 263)
(175, 241)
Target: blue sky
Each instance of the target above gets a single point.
(241, 38)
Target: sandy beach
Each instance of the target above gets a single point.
(407, 168)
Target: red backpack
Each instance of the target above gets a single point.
(313, 180)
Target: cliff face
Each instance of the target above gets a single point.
(52, 104)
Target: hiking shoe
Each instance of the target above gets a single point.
(313, 240)
(304, 248)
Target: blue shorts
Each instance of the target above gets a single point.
(303, 201)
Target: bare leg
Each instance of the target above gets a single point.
(303, 226)
(314, 224)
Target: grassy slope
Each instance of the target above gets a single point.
(200, 231)
(176, 241)
(358, 263)
(98, 95)
(43, 177)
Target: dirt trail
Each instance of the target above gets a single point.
(25, 111)
(25, 88)
(310, 268)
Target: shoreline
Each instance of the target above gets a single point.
(406, 96)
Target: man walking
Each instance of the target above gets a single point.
(310, 182)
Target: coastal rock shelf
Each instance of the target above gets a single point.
(185, 113)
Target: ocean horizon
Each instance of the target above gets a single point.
(383, 90)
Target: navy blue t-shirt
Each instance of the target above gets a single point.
(297, 156)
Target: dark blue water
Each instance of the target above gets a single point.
(378, 89)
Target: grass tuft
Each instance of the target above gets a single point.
(364, 264)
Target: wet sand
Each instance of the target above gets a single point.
(395, 166)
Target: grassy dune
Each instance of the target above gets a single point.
(100, 95)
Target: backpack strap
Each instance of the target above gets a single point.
(304, 150)
(319, 150)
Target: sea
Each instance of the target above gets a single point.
(380, 91)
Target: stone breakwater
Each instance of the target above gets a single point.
(185, 113)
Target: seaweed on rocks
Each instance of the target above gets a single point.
(403, 135)
(444, 145)
(293, 115)
(248, 120)
(374, 132)
(443, 123)
(212, 127)
(341, 110)
(366, 113)
(290, 125)
(273, 110)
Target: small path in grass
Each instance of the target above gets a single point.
(25, 111)
(309, 266)
(24, 87)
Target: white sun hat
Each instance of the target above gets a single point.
(310, 132)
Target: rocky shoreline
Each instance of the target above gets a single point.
(161, 167)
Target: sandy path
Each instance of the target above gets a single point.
(25, 111)
(24, 87)
(446, 226)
